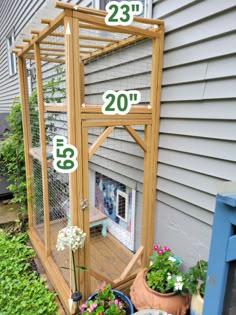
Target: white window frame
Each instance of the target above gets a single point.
(124, 195)
(147, 7)
(10, 55)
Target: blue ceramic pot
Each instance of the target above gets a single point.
(119, 295)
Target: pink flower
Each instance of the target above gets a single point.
(82, 307)
(155, 247)
(160, 251)
(166, 248)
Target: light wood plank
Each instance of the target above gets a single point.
(54, 60)
(136, 137)
(156, 79)
(97, 109)
(105, 123)
(116, 116)
(99, 141)
(119, 29)
(26, 130)
(43, 147)
(130, 265)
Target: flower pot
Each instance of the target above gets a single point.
(144, 297)
(196, 305)
(121, 296)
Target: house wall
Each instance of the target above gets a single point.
(197, 149)
(14, 14)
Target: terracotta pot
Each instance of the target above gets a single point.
(196, 305)
(144, 297)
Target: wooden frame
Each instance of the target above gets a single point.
(81, 116)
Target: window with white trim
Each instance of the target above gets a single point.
(122, 205)
(11, 55)
(147, 6)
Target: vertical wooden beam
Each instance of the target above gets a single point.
(156, 80)
(73, 93)
(43, 147)
(82, 82)
(85, 159)
(146, 194)
(26, 131)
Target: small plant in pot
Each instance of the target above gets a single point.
(161, 285)
(196, 280)
(107, 302)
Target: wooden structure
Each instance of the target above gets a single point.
(63, 42)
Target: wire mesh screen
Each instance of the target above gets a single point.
(115, 202)
(127, 68)
(55, 124)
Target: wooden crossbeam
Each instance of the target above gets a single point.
(91, 38)
(55, 60)
(102, 13)
(26, 40)
(35, 32)
(100, 140)
(46, 21)
(48, 42)
(120, 29)
(46, 53)
(136, 137)
(53, 49)
(91, 46)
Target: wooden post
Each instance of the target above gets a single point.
(26, 131)
(146, 194)
(157, 55)
(43, 147)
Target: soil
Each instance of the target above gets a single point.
(8, 212)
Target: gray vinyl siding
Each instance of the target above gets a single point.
(197, 149)
(14, 14)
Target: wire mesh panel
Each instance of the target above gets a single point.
(126, 68)
(115, 202)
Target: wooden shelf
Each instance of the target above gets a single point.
(55, 107)
(37, 155)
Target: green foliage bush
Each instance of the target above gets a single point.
(12, 157)
(12, 160)
(22, 292)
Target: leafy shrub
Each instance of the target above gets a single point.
(196, 278)
(22, 292)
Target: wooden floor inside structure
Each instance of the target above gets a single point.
(109, 257)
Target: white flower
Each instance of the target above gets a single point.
(178, 286)
(71, 237)
(172, 259)
(169, 277)
(179, 279)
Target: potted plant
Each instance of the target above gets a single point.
(161, 285)
(195, 281)
(107, 301)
